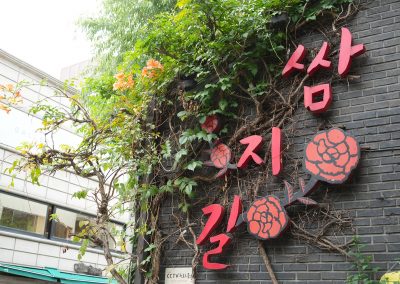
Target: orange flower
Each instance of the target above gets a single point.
(10, 87)
(151, 63)
(2, 87)
(123, 82)
(5, 108)
(146, 72)
(130, 81)
(117, 86)
(152, 68)
(119, 76)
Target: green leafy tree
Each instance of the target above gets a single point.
(116, 149)
(119, 25)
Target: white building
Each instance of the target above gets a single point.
(27, 236)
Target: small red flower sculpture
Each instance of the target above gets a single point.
(331, 156)
(266, 218)
(220, 158)
(211, 124)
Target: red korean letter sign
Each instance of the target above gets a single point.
(320, 60)
(236, 210)
(310, 93)
(222, 240)
(294, 61)
(216, 213)
(276, 151)
(254, 143)
(347, 52)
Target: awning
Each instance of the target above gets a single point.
(52, 275)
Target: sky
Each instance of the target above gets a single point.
(44, 33)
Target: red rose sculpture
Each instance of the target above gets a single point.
(331, 156)
(211, 124)
(220, 156)
(266, 218)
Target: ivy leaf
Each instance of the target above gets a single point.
(35, 174)
(211, 136)
(83, 223)
(168, 187)
(150, 248)
(183, 139)
(187, 136)
(311, 17)
(147, 260)
(83, 248)
(202, 119)
(201, 135)
(182, 115)
(166, 149)
(289, 191)
(181, 153)
(307, 201)
(82, 194)
(223, 104)
(193, 165)
(253, 69)
(186, 185)
(53, 217)
(184, 207)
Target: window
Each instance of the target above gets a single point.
(68, 224)
(32, 217)
(71, 223)
(22, 214)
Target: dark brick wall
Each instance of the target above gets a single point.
(369, 109)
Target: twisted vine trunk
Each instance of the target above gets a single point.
(108, 257)
(267, 262)
(102, 221)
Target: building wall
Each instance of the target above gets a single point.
(56, 189)
(369, 109)
(75, 71)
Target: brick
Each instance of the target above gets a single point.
(386, 257)
(386, 239)
(391, 211)
(295, 267)
(369, 213)
(384, 221)
(333, 275)
(392, 229)
(342, 267)
(249, 268)
(309, 276)
(382, 23)
(385, 82)
(320, 267)
(393, 247)
(259, 276)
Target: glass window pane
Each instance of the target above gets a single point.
(117, 231)
(22, 214)
(68, 226)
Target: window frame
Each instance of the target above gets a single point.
(50, 224)
(46, 232)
